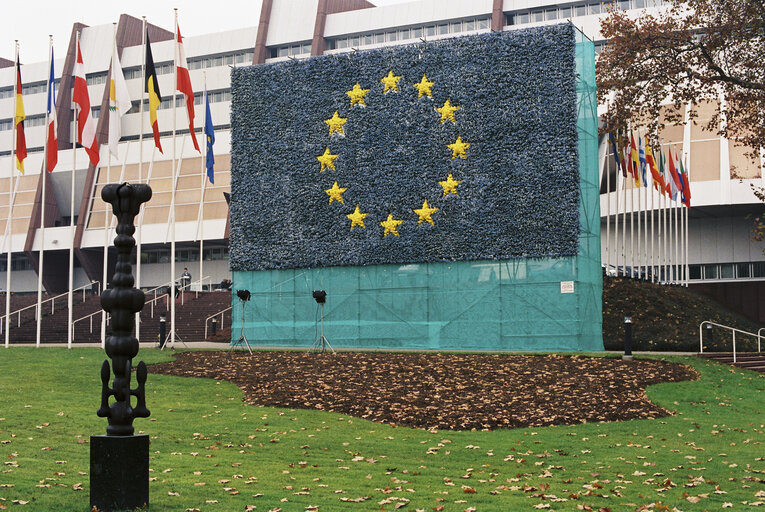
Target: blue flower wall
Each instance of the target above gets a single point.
(458, 149)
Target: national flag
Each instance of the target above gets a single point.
(676, 184)
(666, 178)
(86, 125)
(634, 160)
(686, 185)
(615, 149)
(21, 140)
(658, 181)
(152, 88)
(52, 149)
(119, 103)
(183, 84)
(641, 158)
(210, 135)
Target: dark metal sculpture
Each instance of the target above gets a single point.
(122, 301)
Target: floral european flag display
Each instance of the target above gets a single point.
(454, 150)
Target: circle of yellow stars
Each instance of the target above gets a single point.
(335, 123)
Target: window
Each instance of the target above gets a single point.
(593, 8)
(430, 30)
(484, 23)
(742, 270)
(342, 43)
(537, 16)
(726, 271)
(392, 36)
(638, 4)
(456, 27)
(551, 14)
(469, 26)
(417, 33)
(443, 28)
(367, 39)
(694, 271)
(710, 271)
(580, 10)
(623, 4)
(564, 12)
(379, 38)
(354, 42)
(404, 34)
(758, 269)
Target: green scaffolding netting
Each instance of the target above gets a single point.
(515, 304)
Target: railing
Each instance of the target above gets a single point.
(759, 339)
(52, 300)
(733, 330)
(194, 286)
(222, 315)
(159, 293)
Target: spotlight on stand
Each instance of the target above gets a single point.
(244, 296)
(321, 344)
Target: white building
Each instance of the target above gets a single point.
(720, 248)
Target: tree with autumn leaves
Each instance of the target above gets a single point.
(694, 50)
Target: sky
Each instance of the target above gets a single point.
(32, 23)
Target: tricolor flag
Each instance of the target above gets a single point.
(21, 140)
(634, 160)
(641, 158)
(686, 185)
(658, 181)
(183, 84)
(52, 142)
(152, 88)
(615, 149)
(666, 179)
(86, 125)
(210, 136)
(119, 103)
(676, 184)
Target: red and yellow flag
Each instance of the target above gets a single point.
(21, 141)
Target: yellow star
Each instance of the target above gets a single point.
(450, 185)
(357, 218)
(326, 160)
(459, 148)
(425, 212)
(357, 94)
(336, 123)
(391, 82)
(391, 225)
(336, 193)
(424, 87)
(447, 112)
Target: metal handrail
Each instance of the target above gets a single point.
(182, 288)
(52, 300)
(151, 302)
(759, 339)
(733, 329)
(222, 318)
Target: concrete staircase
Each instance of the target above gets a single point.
(749, 360)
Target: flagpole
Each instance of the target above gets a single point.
(104, 275)
(605, 167)
(616, 220)
(70, 295)
(43, 175)
(687, 214)
(172, 193)
(140, 175)
(8, 226)
(653, 263)
(203, 188)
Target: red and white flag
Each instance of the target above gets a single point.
(183, 84)
(86, 126)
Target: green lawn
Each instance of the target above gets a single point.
(211, 452)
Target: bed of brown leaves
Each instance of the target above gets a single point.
(444, 391)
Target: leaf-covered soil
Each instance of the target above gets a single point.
(443, 391)
(667, 318)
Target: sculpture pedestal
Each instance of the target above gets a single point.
(119, 472)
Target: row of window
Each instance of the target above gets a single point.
(202, 62)
(727, 271)
(184, 255)
(291, 50)
(552, 13)
(34, 88)
(411, 33)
